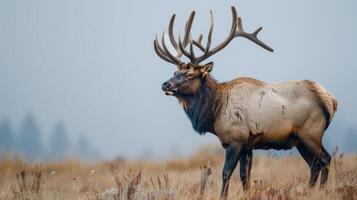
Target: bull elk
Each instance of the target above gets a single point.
(246, 113)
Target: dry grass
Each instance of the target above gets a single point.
(272, 177)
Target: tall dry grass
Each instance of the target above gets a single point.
(197, 177)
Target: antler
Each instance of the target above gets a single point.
(251, 36)
(236, 31)
(164, 53)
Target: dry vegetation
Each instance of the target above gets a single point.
(272, 178)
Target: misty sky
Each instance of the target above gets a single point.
(91, 64)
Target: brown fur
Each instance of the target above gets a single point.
(211, 83)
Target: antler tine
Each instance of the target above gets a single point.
(200, 38)
(186, 38)
(199, 45)
(183, 50)
(160, 52)
(251, 36)
(172, 38)
(192, 52)
(225, 42)
(231, 34)
(209, 37)
(167, 52)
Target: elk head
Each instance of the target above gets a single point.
(189, 76)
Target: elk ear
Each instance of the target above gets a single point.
(207, 68)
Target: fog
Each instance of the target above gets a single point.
(91, 65)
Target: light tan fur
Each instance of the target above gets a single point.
(273, 113)
(325, 98)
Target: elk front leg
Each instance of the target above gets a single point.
(232, 156)
(245, 161)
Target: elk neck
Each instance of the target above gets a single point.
(204, 106)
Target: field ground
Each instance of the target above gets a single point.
(281, 178)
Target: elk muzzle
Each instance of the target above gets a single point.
(168, 88)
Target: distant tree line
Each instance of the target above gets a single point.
(28, 142)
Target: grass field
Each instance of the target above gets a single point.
(196, 177)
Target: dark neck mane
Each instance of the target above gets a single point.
(202, 107)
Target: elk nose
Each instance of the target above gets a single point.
(166, 85)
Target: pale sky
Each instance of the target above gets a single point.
(91, 64)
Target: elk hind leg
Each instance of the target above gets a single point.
(325, 167)
(314, 145)
(313, 163)
(310, 136)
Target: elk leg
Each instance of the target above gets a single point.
(326, 165)
(232, 156)
(250, 155)
(315, 171)
(245, 160)
(313, 163)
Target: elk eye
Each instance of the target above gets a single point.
(189, 75)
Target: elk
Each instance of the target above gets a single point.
(246, 113)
